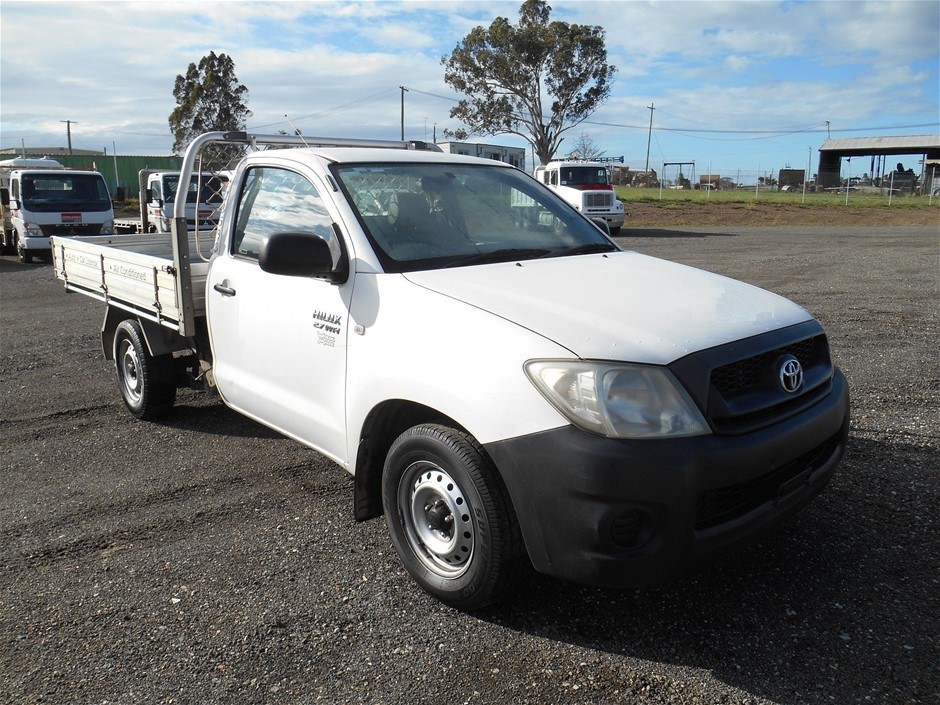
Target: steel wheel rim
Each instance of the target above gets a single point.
(437, 519)
(130, 370)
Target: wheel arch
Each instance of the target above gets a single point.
(158, 339)
(386, 422)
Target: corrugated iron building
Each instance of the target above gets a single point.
(834, 150)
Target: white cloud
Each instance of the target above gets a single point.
(336, 66)
(737, 63)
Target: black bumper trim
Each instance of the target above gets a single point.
(621, 513)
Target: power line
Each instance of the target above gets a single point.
(773, 132)
(777, 131)
(433, 95)
(336, 109)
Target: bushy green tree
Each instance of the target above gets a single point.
(209, 98)
(509, 73)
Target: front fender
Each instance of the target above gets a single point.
(412, 344)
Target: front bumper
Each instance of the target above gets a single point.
(621, 513)
(34, 243)
(614, 220)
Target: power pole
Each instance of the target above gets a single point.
(68, 131)
(648, 140)
(403, 91)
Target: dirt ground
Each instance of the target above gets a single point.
(204, 559)
(671, 213)
(645, 214)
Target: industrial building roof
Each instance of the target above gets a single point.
(51, 151)
(863, 146)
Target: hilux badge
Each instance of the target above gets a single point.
(791, 374)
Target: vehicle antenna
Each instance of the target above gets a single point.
(296, 131)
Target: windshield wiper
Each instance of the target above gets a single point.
(507, 254)
(584, 249)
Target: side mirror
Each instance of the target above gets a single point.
(299, 255)
(602, 224)
(4, 196)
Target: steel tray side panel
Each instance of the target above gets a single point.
(137, 272)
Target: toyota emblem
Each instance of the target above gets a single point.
(791, 374)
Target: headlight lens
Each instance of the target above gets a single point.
(618, 401)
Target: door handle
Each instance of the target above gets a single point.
(224, 290)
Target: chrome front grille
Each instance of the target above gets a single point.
(598, 200)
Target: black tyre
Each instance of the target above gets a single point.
(147, 383)
(450, 517)
(25, 255)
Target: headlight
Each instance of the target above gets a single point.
(618, 400)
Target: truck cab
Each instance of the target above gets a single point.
(628, 416)
(204, 197)
(40, 203)
(586, 186)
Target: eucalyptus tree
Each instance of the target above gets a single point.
(537, 79)
(209, 98)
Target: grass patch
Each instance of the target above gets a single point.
(748, 198)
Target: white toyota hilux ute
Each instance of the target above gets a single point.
(504, 390)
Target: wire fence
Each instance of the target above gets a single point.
(783, 183)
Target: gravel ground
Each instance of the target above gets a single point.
(206, 559)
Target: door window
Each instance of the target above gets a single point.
(275, 200)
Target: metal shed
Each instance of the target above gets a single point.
(878, 148)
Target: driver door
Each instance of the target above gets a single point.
(279, 342)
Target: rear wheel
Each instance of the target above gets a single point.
(450, 517)
(147, 383)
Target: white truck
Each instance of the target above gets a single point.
(502, 392)
(586, 186)
(158, 191)
(38, 201)
(7, 166)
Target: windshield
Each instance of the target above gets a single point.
(583, 175)
(212, 188)
(61, 192)
(429, 216)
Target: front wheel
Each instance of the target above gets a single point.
(450, 517)
(25, 255)
(147, 383)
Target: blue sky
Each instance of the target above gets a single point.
(738, 87)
